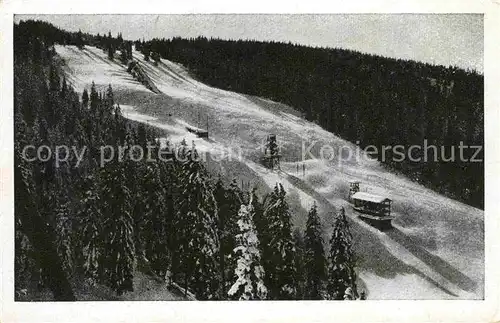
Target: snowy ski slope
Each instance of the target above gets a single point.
(435, 250)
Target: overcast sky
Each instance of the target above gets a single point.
(451, 39)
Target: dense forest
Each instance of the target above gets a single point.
(363, 98)
(103, 223)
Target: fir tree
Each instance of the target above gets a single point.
(94, 99)
(196, 229)
(110, 98)
(279, 249)
(314, 262)
(110, 47)
(85, 98)
(119, 259)
(155, 228)
(64, 241)
(341, 273)
(299, 259)
(92, 238)
(111, 52)
(79, 40)
(228, 203)
(249, 284)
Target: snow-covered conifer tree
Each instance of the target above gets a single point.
(196, 229)
(91, 239)
(279, 250)
(118, 230)
(64, 241)
(299, 259)
(315, 261)
(155, 220)
(228, 203)
(341, 273)
(249, 273)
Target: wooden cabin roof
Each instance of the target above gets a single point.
(369, 197)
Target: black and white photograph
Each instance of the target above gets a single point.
(248, 157)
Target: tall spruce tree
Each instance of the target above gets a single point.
(279, 250)
(249, 273)
(315, 261)
(91, 227)
(196, 229)
(85, 98)
(228, 203)
(110, 47)
(79, 40)
(119, 259)
(155, 228)
(94, 99)
(110, 101)
(341, 273)
(64, 237)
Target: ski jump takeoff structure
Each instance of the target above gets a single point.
(374, 209)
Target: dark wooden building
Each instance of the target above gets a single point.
(373, 208)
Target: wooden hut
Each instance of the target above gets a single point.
(373, 208)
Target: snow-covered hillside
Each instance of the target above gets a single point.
(435, 250)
